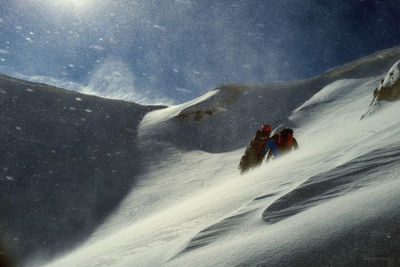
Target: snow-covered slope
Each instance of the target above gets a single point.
(333, 202)
(236, 110)
(65, 164)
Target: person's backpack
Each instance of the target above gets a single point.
(257, 145)
(285, 137)
(255, 151)
(284, 140)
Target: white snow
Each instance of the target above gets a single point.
(194, 209)
(159, 27)
(161, 115)
(97, 47)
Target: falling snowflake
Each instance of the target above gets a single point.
(9, 178)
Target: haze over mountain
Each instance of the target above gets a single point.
(171, 51)
(88, 181)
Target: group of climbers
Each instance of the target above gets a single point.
(263, 145)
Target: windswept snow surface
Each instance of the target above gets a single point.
(335, 201)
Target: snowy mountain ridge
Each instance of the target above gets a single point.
(182, 201)
(216, 113)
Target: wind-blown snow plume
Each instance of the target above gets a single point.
(113, 79)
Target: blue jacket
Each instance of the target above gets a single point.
(271, 146)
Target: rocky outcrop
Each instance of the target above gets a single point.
(388, 89)
(195, 115)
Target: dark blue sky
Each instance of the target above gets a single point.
(175, 50)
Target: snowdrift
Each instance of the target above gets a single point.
(153, 186)
(351, 176)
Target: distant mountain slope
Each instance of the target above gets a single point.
(212, 122)
(66, 161)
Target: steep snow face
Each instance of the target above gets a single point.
(212, 123)
(335, 201)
